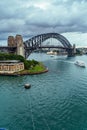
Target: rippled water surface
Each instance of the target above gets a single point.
(57, 100)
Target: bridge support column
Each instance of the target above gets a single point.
(11, 43)
(71, 52)
(20, 45)
(74, 49)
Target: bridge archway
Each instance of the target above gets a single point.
(36, 42)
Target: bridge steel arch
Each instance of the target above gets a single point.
(35, 43)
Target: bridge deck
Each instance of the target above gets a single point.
(39, 47)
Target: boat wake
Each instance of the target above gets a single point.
(72, 62)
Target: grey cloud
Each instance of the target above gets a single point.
(19, 16)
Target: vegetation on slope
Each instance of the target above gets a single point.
(6, 56)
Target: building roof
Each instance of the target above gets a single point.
(9, 61)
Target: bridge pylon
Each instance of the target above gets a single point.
(20, 45)
(16, 42)
(71, 51)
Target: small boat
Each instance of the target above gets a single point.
(80, 63)
(27, 86)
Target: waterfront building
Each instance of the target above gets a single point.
(11, 66)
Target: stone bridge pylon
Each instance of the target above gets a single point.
(17, 42)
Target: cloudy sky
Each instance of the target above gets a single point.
(32, 17)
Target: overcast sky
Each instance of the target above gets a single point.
(32, 17)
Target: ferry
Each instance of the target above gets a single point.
(80, 63)
(50, 53)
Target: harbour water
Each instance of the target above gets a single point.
(57, 100)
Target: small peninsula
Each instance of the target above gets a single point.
(12, 64)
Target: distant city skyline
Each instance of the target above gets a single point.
(31, 17)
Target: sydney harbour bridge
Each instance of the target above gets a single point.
(25, 48)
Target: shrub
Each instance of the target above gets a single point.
(5, 56)
(30, 63)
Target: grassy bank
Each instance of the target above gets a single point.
(37, 69)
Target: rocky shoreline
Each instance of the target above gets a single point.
(33, 73)
(24, 73)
